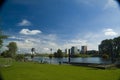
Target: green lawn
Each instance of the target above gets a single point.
(5, 61)
(35, 71)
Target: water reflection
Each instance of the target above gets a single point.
(96, 60)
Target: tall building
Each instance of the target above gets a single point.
(83, 49)
(66, 51)
(74, 50)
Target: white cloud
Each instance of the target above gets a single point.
(30, 32)
(110, 32)
(25, 22)
(46, 49)
(16, 38)
(42, 43)
(111, 4)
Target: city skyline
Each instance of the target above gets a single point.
(46, 24)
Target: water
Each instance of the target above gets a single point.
(96, 60)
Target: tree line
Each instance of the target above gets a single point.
(110, 48)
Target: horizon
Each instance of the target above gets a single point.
(59, 24)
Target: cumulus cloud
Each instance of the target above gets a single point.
(25, 22)
(30, 32)
(111, 4)
(110, 32)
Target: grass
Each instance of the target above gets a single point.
(35, 71)
(5, 61)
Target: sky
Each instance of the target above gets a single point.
(46, 24)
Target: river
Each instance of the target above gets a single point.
(94, 60)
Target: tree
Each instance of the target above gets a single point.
(12, 49)
(19, 57)
(51, 50)
(33, 51)
(111, 48)
(58, 54)
(116, 46)
(5, 54)
(106, 46)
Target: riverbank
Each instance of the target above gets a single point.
(35, 71)
(94, 65)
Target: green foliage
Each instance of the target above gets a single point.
(12, 49)
(65, 55)
(6, 54)
(105, 56)
(106, 46)
(58, 54)
(75, 55)
(19, 57)
(81, 55)
(50, 56)
(32, 56)
(111, 47)
(11, 52)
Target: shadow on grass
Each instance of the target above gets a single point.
(1, 78)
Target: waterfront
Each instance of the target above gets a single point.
(92, 60)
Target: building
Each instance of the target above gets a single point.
(74, 50)
(84, 49)
(66, 51)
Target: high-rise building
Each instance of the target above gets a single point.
(66, 51)
(74, 50)
(83, 49)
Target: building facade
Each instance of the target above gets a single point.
(74, 50)
(83, 49)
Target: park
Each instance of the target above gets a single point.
(37, 71)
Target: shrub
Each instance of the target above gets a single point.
(105, 56)
(19, 57)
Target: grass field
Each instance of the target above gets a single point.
(35, 71)
(5, 61)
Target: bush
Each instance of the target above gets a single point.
(6, 54)
(50, 56)
(105, 56)
(19, 57)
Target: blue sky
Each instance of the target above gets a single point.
(46, 24)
